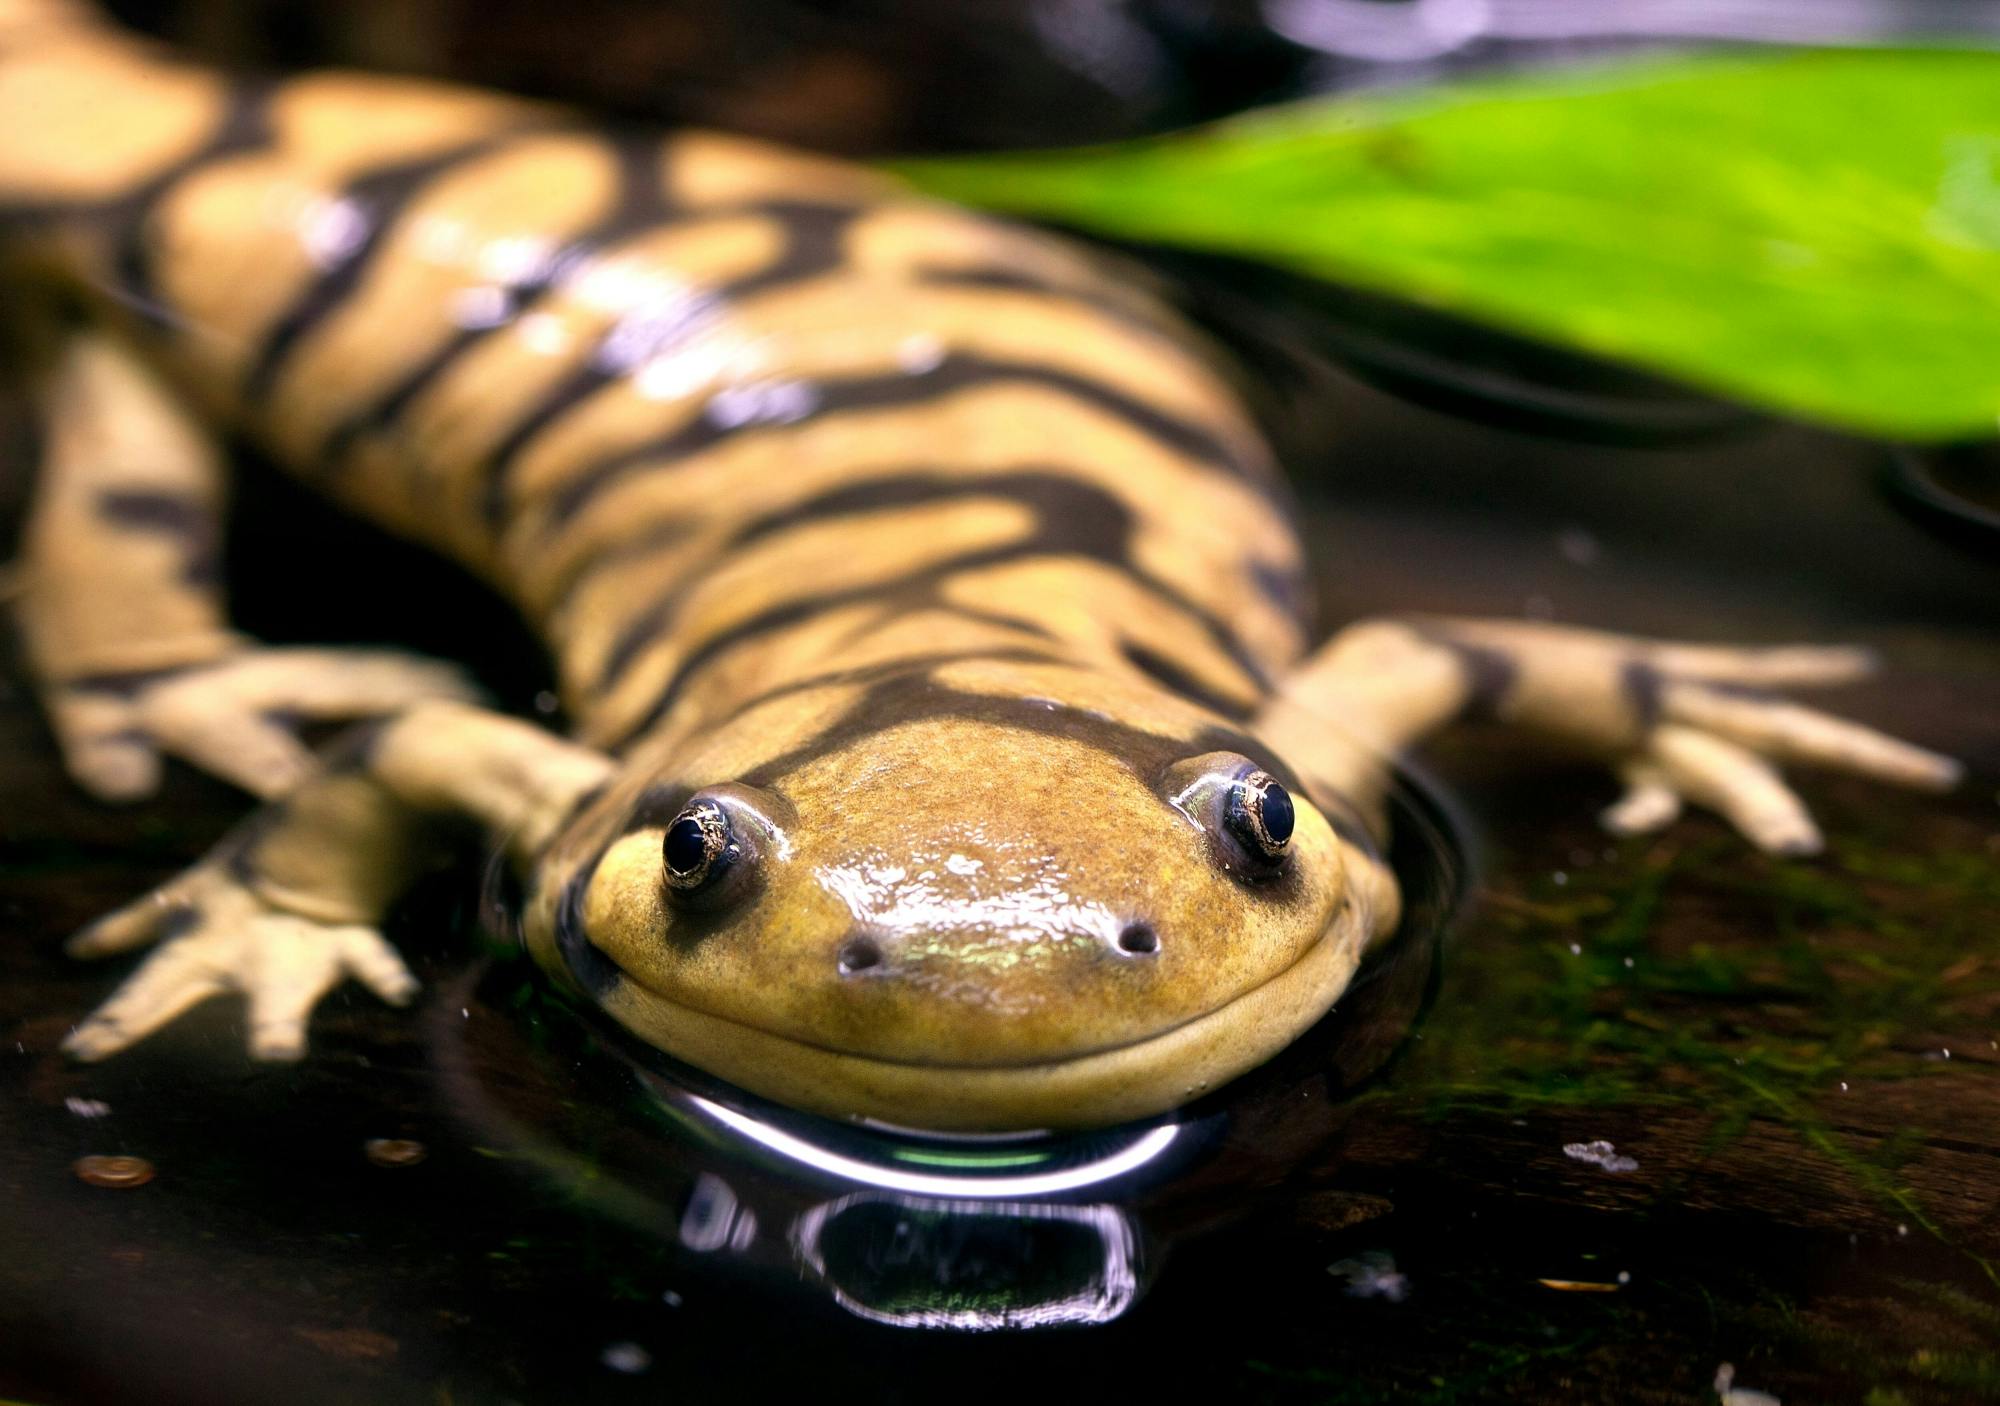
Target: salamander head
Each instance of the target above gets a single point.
(977, 899)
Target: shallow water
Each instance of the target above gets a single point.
(1800, 1180)
(1638, 1110)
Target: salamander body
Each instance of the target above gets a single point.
(947, 749)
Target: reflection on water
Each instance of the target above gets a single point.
(974, 1265)
(902, 1227)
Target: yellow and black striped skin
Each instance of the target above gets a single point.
(949, 559)
(923, 568)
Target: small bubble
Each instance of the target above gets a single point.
(629, 1358)
(394, 1151)
(1902, 1229)
(1576, 949)
(1624, 1276)
(1560, 878)
(113, 1171)
(546, 702)
(1843, 1086)
(671, 1299)
(87, 1107)
(1628, 963)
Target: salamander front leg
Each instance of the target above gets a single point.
(1678, 722)
(224, 936)
(121, 607)
(287, 908)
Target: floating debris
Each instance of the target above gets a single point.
(1732, 1395)
(671, 1299)
(394, 1151)
(1332, 1211)
(1600, 1154)
(113, 1171)
(1372, 1276)
(1578, 1286)
(628, 1358)
(87, 1107)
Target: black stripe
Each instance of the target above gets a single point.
(1072, 518)
(1177, 680)
(381, 197)
(127, 683)
(654, 536)
(815, 244)
(879, 391)
(906, 698)
(245, 126)
(189, 525)
(1286, 588)
(813, 235)
(914, 663)
(659, 803)
(1123, 305)
(1645, 691)
(641, 203)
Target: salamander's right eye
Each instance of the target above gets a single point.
(699, 848)
(1259, 814)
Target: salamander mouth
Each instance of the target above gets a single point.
(1093, 1087)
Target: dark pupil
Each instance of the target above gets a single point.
(686, 846)
(1277, 812)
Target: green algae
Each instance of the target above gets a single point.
(1706, 977)
(1570, 995)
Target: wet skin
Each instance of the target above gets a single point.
(947, 746)
(991, 909)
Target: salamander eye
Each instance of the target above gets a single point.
(698, 848)
(1260, 816)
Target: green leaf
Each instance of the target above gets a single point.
(1816, 231)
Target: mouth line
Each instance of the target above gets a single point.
(998, 1067)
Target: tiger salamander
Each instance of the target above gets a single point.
(949, 748)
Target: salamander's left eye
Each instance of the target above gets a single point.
(1260, 816)
(698, 848)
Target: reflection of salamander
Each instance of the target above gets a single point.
(946, 747)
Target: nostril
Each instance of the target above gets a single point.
(1139, 939)
(858, 954)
